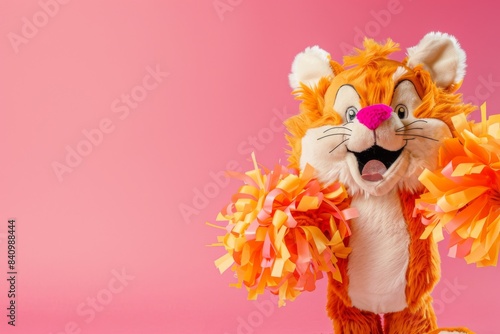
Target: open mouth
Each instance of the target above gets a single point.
(375, 161)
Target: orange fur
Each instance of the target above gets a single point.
(423, 269)
(350, 320)
(311, 116)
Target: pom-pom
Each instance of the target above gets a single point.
(284, 230)
(464, 194)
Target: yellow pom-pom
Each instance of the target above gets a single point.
(283, 231)
(464, 194)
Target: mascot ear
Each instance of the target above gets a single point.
(309, 67)
(442, 56)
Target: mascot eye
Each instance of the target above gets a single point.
(350, 114)
(402, 111)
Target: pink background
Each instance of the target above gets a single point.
(119, 208)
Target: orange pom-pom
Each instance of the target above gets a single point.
(464, 195)
(284, 230)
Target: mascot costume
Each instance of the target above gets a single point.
(381, 159)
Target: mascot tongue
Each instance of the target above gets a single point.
(373, 170)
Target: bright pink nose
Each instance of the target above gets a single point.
(372, 116)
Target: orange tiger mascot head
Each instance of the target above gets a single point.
(374, 123)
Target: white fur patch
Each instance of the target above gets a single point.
(309, 67)
(454, 332)
(323, 149)
(379, 259)
(399, 73)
